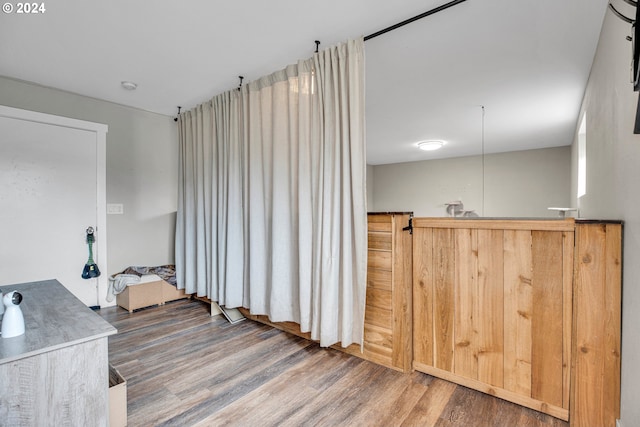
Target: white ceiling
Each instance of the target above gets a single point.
(525, 61)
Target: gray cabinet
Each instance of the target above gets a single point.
(57, 372)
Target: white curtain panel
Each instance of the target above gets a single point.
(272, 198)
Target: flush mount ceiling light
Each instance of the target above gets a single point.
(129, 85)
(431, 145)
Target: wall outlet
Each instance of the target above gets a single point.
(115, 208)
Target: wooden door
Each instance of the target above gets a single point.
(51, 189)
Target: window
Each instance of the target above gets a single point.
(582, 156)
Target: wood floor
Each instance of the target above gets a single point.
(186, 368)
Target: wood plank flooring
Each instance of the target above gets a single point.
(186, 368)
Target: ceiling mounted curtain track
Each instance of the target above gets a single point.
(415, 18)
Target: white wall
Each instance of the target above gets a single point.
(613, 177)
(369, 188)
(142, 170)
(516, 184)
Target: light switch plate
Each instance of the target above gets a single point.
(115, 208)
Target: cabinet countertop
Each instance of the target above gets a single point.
(54, 318)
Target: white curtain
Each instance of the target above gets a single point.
(272, 208)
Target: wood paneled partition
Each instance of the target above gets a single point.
(595, 386)
(525, 310)
(387, 320)
(496, 309)
(494, 306)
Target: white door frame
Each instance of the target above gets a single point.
(100, 131)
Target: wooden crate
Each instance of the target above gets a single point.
(147, 294)
(117, 398)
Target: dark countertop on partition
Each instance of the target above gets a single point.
(503, 218)
(389, 213)
(598, 221)
(54, 318)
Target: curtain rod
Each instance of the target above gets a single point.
(415, 18)
(388, 29)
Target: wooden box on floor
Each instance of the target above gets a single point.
(117, 398)
(147, 294)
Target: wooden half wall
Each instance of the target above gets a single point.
(526, 310)
(597, 296)
(492, 307)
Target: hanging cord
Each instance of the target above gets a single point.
(482, 106)
(176, 119)
(240, 85)
(317, 42)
